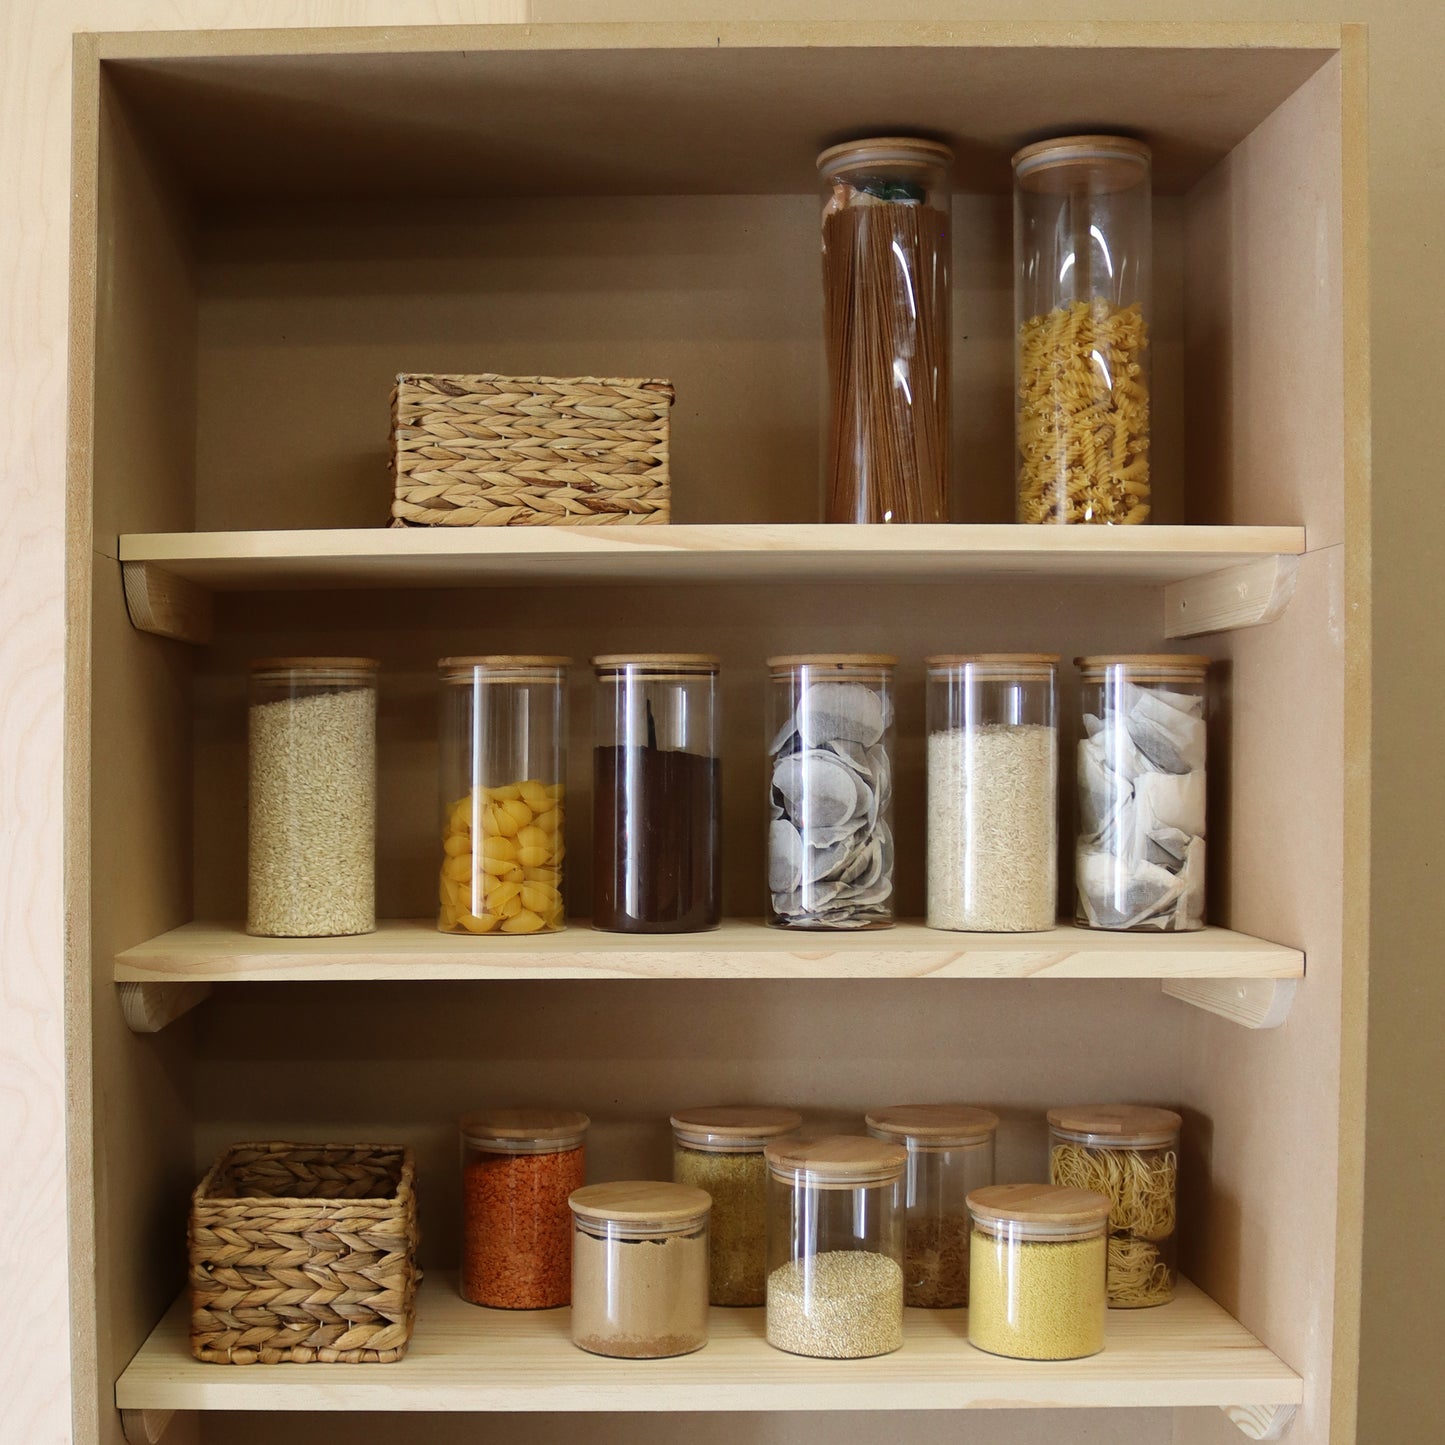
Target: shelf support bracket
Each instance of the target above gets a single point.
(149, 1007)
(170, 606)
(1245, 596)
(1262, 1422)
(145, 1427)
(1256, 1003)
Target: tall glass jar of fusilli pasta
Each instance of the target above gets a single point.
(1082, 303)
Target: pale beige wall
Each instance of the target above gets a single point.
(1404, 1275)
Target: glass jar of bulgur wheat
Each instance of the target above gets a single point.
(503, 785)
(950, 1153)
(1036, 1271)
(720, 1149)
(1129, 1153)
(311, 841)
(835, 1246)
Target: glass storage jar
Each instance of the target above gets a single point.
(656, 831)
(830, 813)
(835, 1246)
(311, 839)
(950, 1152)
(720, 1149)
(1130, 1154)
(633, 1302)
(993, 765)
(503, 793)
(1036, 1271)
(1139, 858)
(887, 242)
(518, 1168)
(1082, 312)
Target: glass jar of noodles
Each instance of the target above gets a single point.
(1082, 274)
(887, 244)
(1036, 1271)
(720, 1149)
(503, 780)
(1131, 1155)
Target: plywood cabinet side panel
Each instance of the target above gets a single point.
(1264, 360)
(1262, 1110)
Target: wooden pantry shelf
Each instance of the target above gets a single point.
(170, 576)
(462, 1358)
(165, 976)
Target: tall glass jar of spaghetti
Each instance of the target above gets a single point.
(1082, 261)
(886, 254)
(1130, 1154)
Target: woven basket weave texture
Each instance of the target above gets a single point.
(303, 1253)
(527, 451)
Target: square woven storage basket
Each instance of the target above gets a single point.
(530, 451)
(303, 1253)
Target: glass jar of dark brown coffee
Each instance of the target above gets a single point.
(656, 848)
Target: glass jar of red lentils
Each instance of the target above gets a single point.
(518, 1167)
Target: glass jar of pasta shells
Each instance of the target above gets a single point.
(1130, 1154)
(1082, 263)
(503, 772)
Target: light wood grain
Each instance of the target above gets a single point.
(1262, 1422)
(1188, 1352)
(170, 606)
(1248, 595)
(413, 950)
(145, 1427)
(1256, 1003)
(150, 1007)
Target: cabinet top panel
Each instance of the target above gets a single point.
(525, 110)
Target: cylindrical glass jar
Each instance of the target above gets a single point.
(1130, 1154)
(835, 1246)
(1082, 310)
(950, 1153)
(518, 1168)
(830, 813)
(887, 243)
(312, 797)
(635, 1303)
(720, 1149)
(993, 778)
(1036, 1271)
(1139, 858)
(503, 793)
(657, 800)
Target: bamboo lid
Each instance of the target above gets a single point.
(318, 664)
(833, 659)
(518, 659)
(890, 150)
(638, 1201)
(839, 1159)
(1051, 1204)
(1098, 163)
(1149, 666)
(1121, 1124)
(934, 1123)
(701, 662)
(736, 1121)
(993, 659)
(523, 1127)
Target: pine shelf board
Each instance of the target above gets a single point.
(412, 949)
(485, 556)
(462, 1358)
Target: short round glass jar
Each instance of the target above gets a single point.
(1082, 277)
(1139, 856)
(1130, 1154)
(993, 779)
(830, 795)
(657, 794)
(835, 1246)
(950, 1153)
(635, 1303)
(518, 1168)
(311, 838)
(720, 1149)
(1036, 1271)
(503, 794)
(887, 248)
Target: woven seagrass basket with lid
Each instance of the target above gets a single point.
(526, 451)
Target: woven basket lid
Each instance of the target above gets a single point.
(1118, 1124)
(933, 1123)
(639, 1201)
